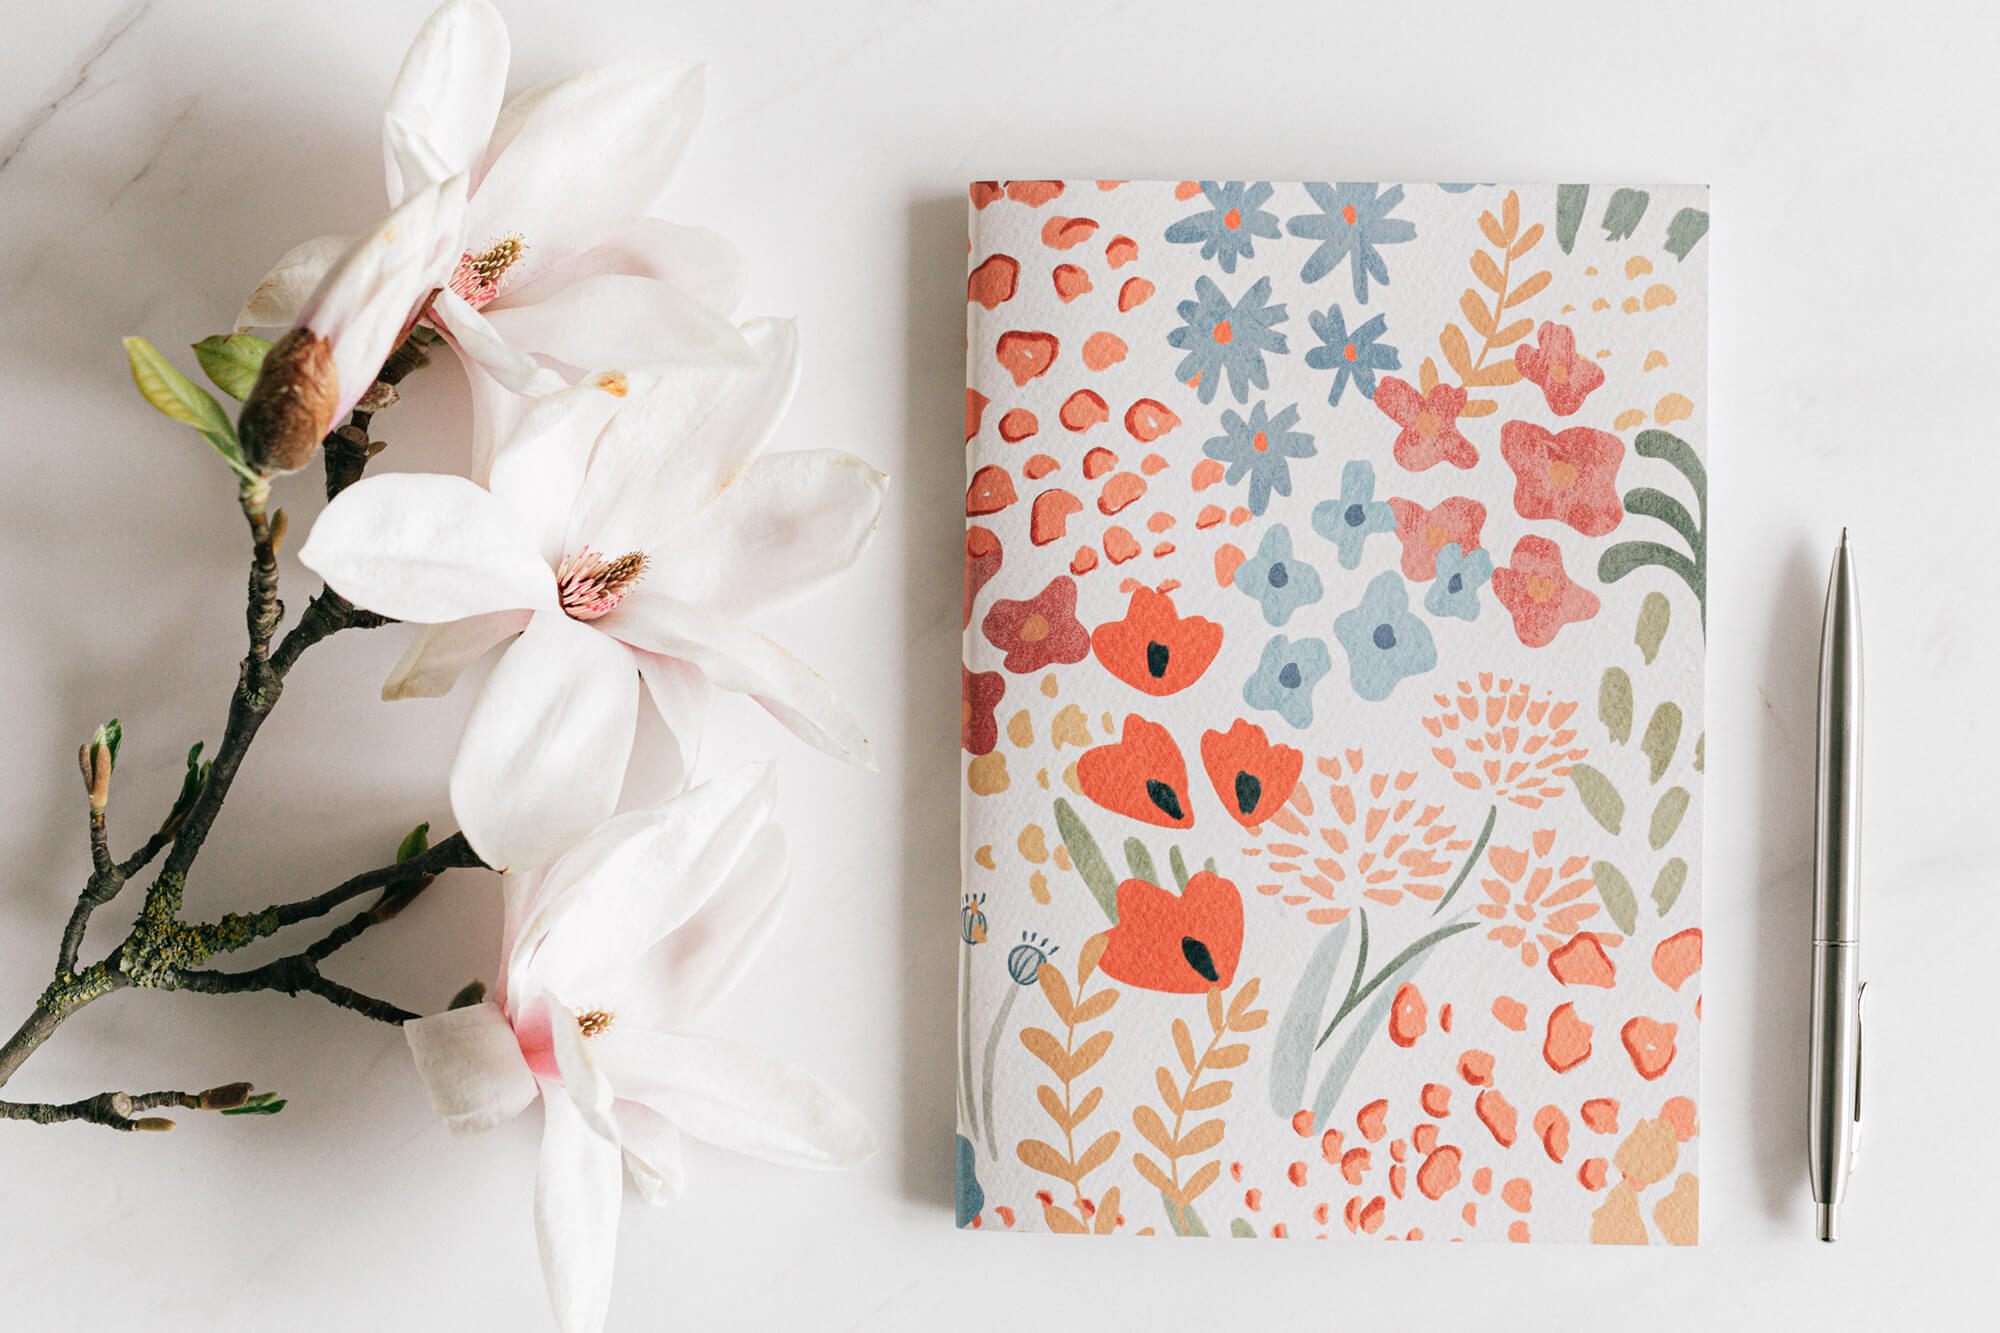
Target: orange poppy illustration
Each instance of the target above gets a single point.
(1185, 943)
(1253, 778)
(1141, 775)
(1154, 648)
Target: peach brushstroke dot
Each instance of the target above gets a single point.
(1398, 1174)
(1070, 282)
(1511, 1014)
(1082, 410)
(1424, 1138)
(1120, 545)
(1583, 962)
(1329, 1146)
(1678, 957)
(975, 409)
(1227, 557)
(1436, 1100)
(990, 491)
(1159, 522)
(1026, 354)
(1498, 1115)
(1061, 233)
(1593, 1173)
(1601, 1115)
(1518, 1194)
(1187, 190)
(1101, 350)
(1135, 293)
(1372, 1120)
(1084, 561)
(1239, 516)
(1018, 425)
(1048, 517)
(1206, 473)
(1122, 490)
(1680, 1112)
(1148, 419)
(1408, 1015)
(1517, 1232)
(1354, 1165)
(1482, 1180)
(1098, 462)
(1302, 1123)
(1153, 465)
(1470, 1213)
(984, 193)
(1121, 251)
(992, 284)
(1163, 550)
(1476, 1068)
(1567, 1044)
(1296, 1173)
(1033, 193)
(1552, 1128)
(1444, 1019)
(1650, 1044)
(1039, 466)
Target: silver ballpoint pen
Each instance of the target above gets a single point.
(1835, 1096)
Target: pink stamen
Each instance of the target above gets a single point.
(589, 586)
(480, 275)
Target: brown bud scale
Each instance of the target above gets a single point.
(290, 409)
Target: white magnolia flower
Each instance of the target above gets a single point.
(363, 305)
(619, 539)
(560, 256)
(607, 955)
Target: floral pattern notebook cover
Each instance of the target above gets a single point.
(1335, 578)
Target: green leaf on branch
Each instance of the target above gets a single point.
(1667, 816)
(1662, 738)
(1667, 888)
(264, 1103)
(1600, 798)
(108, 737)
(175, 395)
(1088, 859)
(1614, 704)
(231, 361)
(415, 843)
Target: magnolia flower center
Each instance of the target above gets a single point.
(594, 1022)
(588, 585)
(480, 274)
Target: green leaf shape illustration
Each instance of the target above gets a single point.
(1141, 862)
(1662, 738)
(1600, 797)
(1667, 888)
(1088, 859)
(1691, 568)
(1616, 891)
(1623, 213)
(1614, 704)
(1571, 200)
(1655, 612)
(1685, 231)
(1667, 816)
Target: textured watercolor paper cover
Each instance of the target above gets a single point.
(1332, 710)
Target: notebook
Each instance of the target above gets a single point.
(1332, 728)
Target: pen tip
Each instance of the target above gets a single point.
(1828, 1222)
(1843, 536)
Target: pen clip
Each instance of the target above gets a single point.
(1860, 1047)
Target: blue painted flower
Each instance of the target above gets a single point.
(1234, 215)
(1455, 591)
(1384, 642)
(1281, 582)
(1348, 521)
(1220, 336)
(1353, 220)
(1286, 676)
(1257, 448)
(1356, 356)
(1024, 960)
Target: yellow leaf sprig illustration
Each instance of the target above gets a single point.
(1191, 1094)
(1495, 272)
(1068, 1060)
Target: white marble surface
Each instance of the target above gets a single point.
(154, 157)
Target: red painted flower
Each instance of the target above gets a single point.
(1571, 477)
(1153, 648)
(1253, 778)
(979, 693)
(1425, 532)
(1142, 775)
(1430, 424)
(1539, 594)
(1184, 944)
(1566, 379)
(1039, 632)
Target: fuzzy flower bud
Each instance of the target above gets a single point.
(227, 1097)
(291, 407)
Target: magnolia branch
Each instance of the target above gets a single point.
(162, 951)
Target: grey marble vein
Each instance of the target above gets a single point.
(78, 79)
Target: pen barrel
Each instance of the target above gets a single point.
(1835, 1097)
(1837, 835)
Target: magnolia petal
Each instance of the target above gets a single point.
(570, 162)
(745, 661)
(520, 890)
(653, 1154)
(705, 264)
(427, 547)
(544, 750)
(439, 654)
(472, 1066)
(789, 523)
(539, 469)
(579, 1188)
(475, 339)
(582, 1079)
(674, 448)
(447, 94)
(736, 1097)
(682, 695)
(282, 292)
(702, 961)
(618, 319)
(368, 298)
(496, 411)
(638, 877)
